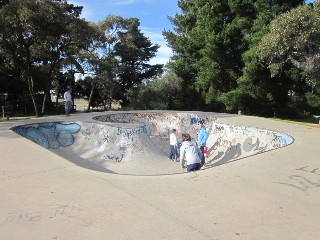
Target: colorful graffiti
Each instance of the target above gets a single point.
(161, 124)
(104, 143)
(112, 143)
(227, 142)
(49, 135)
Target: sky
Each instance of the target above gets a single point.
(153, 16)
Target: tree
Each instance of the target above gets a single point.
(3, 2)
(208, 46)
(101, 60)
(186, 47)
(257, 92)
(213, 44)
(41, 36)
(134, 51)
(294, 38)
(160, 93)
(120, 60)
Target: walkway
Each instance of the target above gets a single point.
(270, 196)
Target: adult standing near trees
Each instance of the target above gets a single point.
(202, 139)
(67, 100)
(41, 38)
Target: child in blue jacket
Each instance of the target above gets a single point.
(202, 139)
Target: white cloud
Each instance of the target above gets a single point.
(124, 2)
(164, 52)
(159, 60)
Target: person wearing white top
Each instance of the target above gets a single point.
(190, 154)
(67, 101)
(173, 145)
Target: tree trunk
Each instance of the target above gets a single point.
(33, 95)
(90, 98)
(57, 96)
(104, 105)
(43, 108)
(31, 85)
(45, 97)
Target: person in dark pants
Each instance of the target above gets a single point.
(202, 139)
(190, 154)
(173, 145)
(67, 101)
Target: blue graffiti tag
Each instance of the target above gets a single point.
(49, 135)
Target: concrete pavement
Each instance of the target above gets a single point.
(273, 195)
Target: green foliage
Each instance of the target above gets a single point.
(41, 36)
(257, 92)
(214, 45)
(294, 37)
(39, 40)
(134, 51)
(161, 93)
(120, 58)
(313, 99)
(219, 61)
(3, 2)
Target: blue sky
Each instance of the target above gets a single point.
(153, 16)
(151, 13)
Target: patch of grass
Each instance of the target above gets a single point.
(80, 101)
(16, 118)
(305, 121)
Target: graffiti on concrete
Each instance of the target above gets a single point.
(160, 124)
(303, 179)
(227, 142)
(65, 212)
(49, 135)
(141, 134)
(113, 143)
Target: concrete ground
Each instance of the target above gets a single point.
(274, 195)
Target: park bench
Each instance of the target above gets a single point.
(317, 117)
(6, 115)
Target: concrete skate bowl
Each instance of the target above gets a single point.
(138, 143)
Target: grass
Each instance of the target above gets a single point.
(16, 118)
(311, 121)
(314, 122)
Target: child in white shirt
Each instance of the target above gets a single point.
(173, 145)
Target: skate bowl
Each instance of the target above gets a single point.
(138, 143)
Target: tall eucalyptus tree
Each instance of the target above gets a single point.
(294, 38)
(134, 52)
(120, 58)
(211, 40)
(41, 36)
